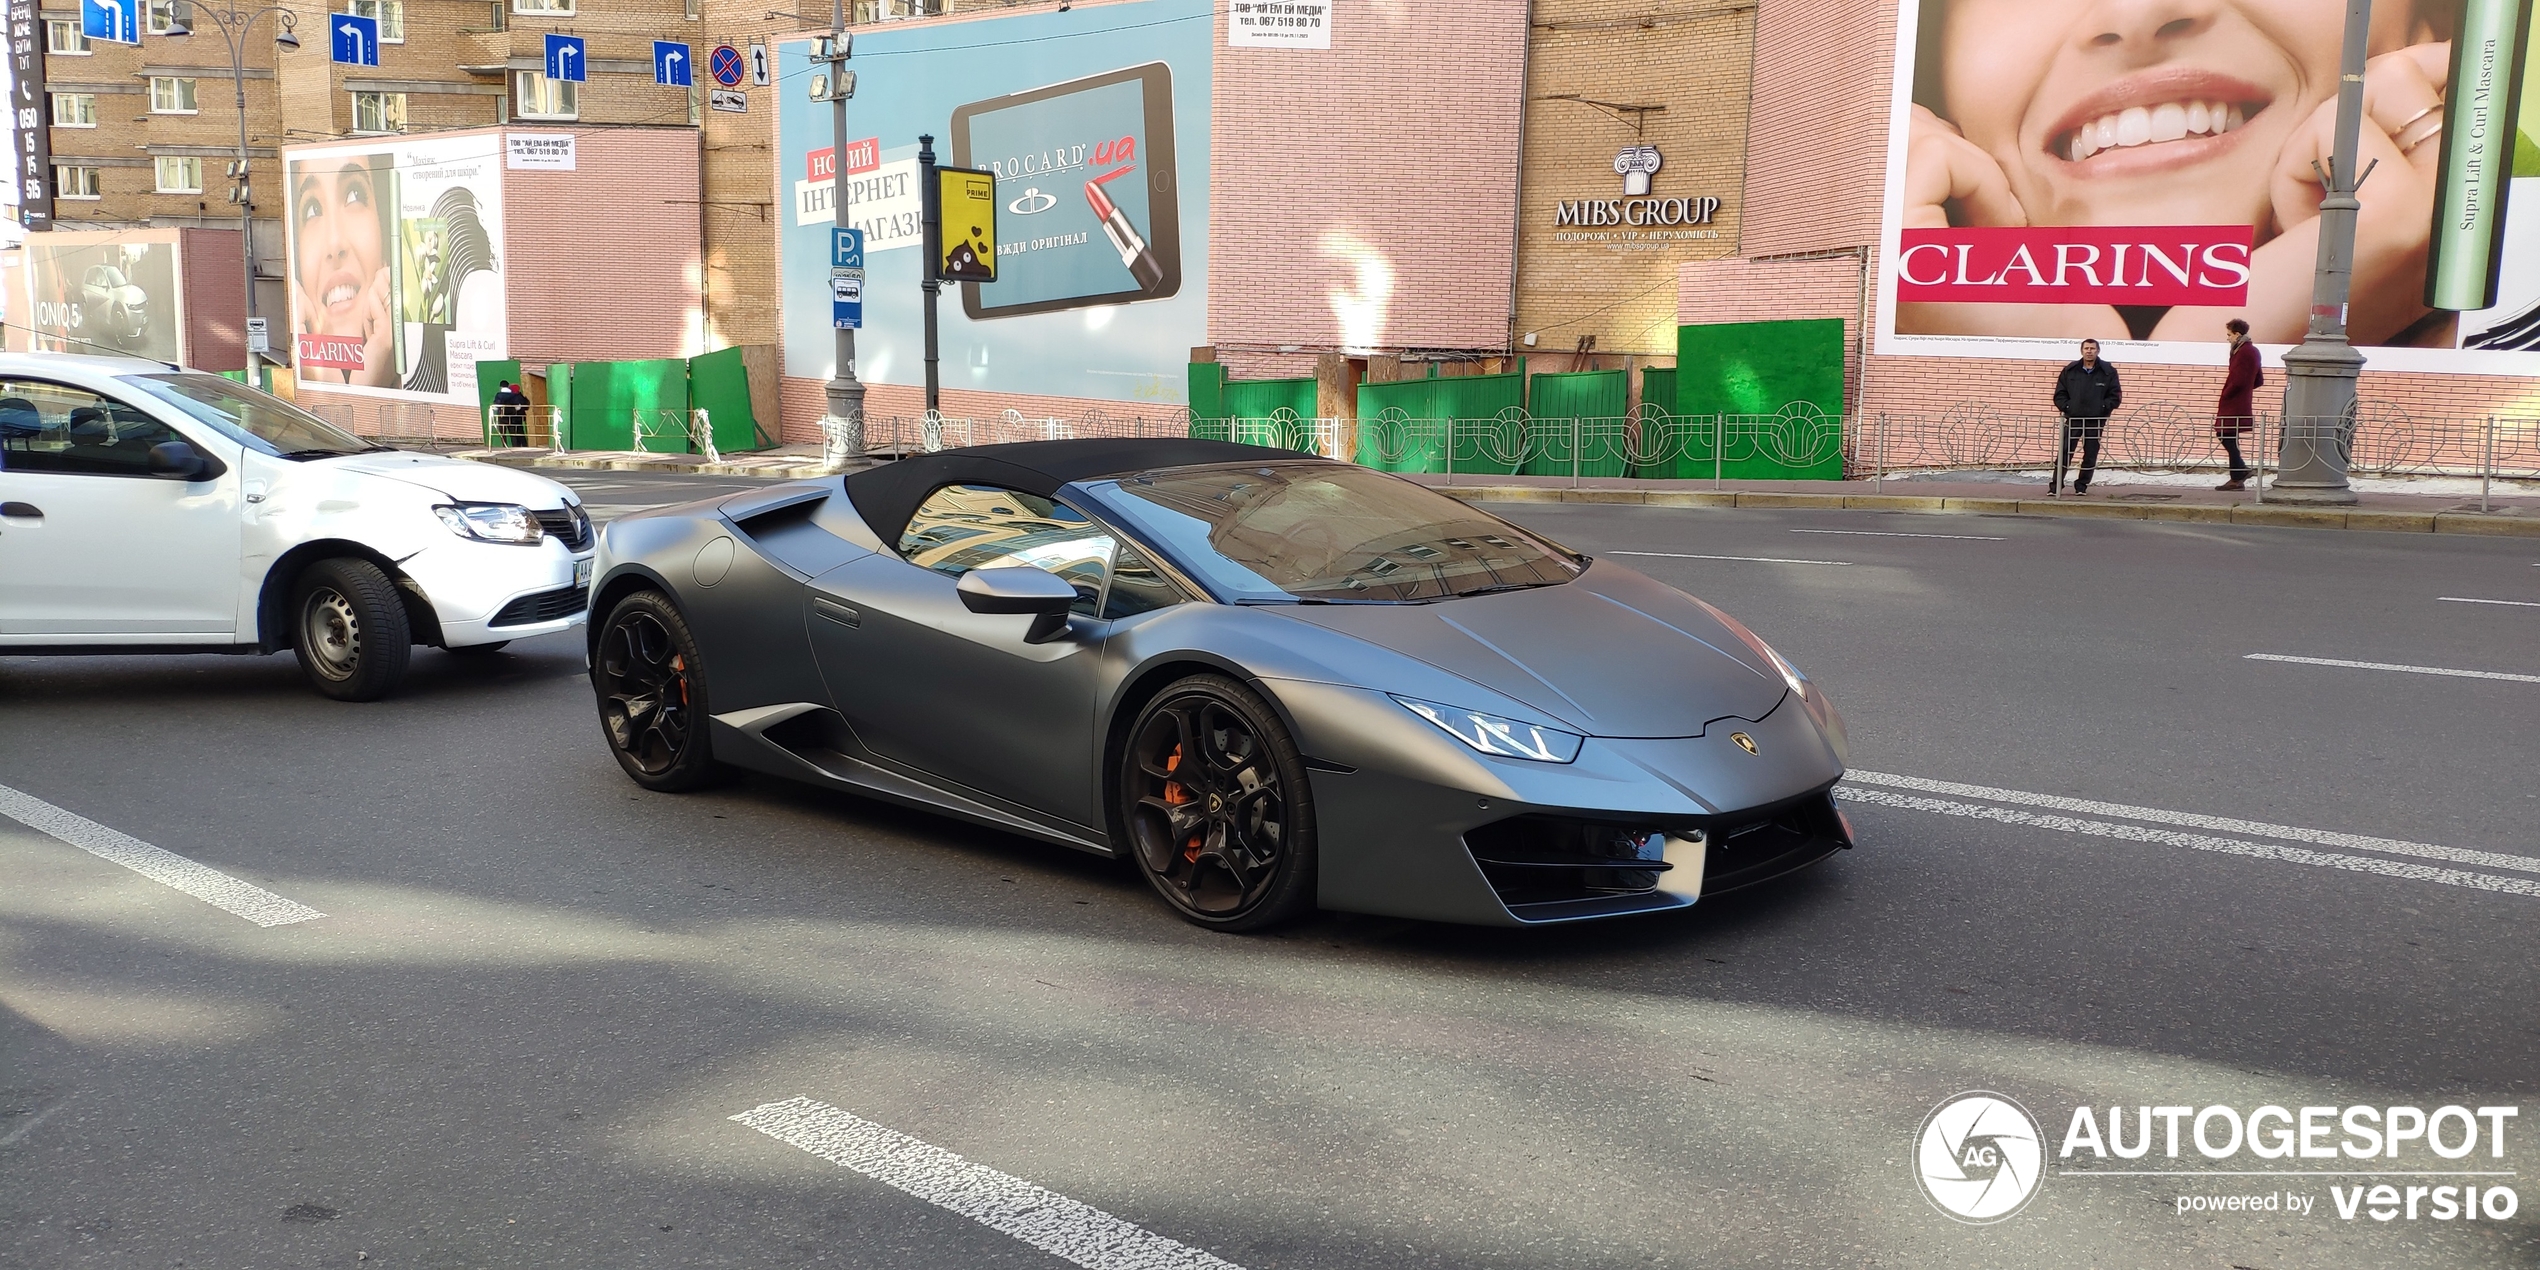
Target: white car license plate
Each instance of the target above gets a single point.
(582, 573)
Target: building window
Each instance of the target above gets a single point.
(160, 17)
(63, 38)
(171, 96)
(379, 112)
(76, 181)
(549, 8)
(74, 110)
(391, 15)
(180, 175)
(534, 96)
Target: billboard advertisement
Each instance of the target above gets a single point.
(396, 265)
(107, 298)
(2062, 171)
(1094, 126)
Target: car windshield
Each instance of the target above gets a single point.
(1329, 532)
(255, 419)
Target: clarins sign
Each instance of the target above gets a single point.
(1632, 217)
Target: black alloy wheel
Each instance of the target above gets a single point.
(651, 691)
(1214, 798)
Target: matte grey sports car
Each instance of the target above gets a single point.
(1272, 681)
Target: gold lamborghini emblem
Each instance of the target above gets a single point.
(1744, 742)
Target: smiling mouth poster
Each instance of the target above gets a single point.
(1095, 123)
(2138, 174)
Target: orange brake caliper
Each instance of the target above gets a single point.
(1174, 796)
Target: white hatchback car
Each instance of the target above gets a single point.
(145, 509)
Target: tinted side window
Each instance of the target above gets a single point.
(46, 427)
(1137, 586)
(964, 527)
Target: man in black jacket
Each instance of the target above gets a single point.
(2085, 394)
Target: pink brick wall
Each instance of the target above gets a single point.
(1816, 138)
(1396, 147)
(602, 263)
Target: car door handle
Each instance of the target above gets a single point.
(837, 612)
(21, 511)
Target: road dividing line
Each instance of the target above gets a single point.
(1679, 555)
(1049, 1221)
(1880, 533)
(2463, 599)
(2527, 887)
(2191, 820)
(167, 868)
(2384, 665)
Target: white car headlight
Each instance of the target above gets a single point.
(1498, 737)
(491, 522)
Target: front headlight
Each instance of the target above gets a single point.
(491, 522)
(1500, 738)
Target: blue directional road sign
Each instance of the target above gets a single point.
(355, 40)
(846, 247)
(565, 59)
(671, 65)
(114, 21)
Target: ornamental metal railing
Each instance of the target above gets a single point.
(692, 431)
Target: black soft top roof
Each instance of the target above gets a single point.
(886, 496)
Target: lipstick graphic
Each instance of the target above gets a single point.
(1141, 262)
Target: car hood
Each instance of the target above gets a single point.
(459, 479)
(1612, 653)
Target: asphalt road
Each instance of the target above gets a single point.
(539, 994)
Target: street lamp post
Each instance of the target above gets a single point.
(232, 25)
(2319, 376)
(846, 392)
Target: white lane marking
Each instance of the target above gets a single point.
(2527, 887)
(167, 868)
(2192, 820)
(1877, 533)
(2384, 665)
(34, 1120)
(1049, 1221)
(2463, 599)
(1679, 555)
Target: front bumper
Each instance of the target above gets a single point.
(1419, 827)
(482, 592)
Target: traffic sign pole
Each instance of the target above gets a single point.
(846, 392)
(930, 225)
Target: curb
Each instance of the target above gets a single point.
(620, 462)
(2493, 524)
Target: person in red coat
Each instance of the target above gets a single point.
(2235, 415)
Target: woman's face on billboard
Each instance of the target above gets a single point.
(336, 214)
(2145, 112)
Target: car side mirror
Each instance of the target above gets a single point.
(1020, 588)
(179, 461)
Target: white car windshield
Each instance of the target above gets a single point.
(250, 417)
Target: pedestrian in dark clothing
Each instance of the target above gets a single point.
(511, 415)
(2085, 394)
(2235, 415)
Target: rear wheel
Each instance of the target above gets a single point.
(349, 629)
(1213, 795)
(651, 689)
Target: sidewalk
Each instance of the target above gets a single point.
(2432, 507)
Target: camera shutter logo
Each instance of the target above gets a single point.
(1979, 1157)
(1636, 164)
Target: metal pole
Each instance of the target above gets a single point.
(1719, 444)
(2319, 376)
(931, 218)
(845, 392)
(246, 189)
(2261, 422)
(2487, 464)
